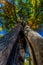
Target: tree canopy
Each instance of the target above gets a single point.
(30, 10)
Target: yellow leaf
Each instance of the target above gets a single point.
(33, 27)
(37, 26)
(33, 2)
(18, 18)
(17, 10)
(1, 29)
(30, 23)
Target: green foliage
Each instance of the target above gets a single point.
(29, 10)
